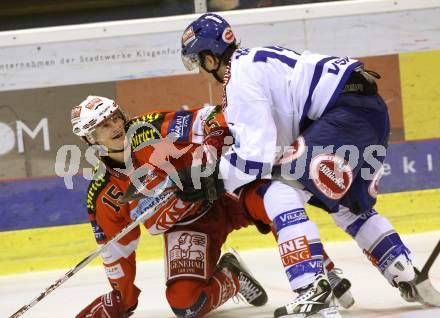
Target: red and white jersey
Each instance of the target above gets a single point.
(190, 131)
(108, 216)
(269, 94)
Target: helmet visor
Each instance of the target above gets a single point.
(191, 61)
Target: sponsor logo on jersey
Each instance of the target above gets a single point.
(295, 251)
(294, 151)
(212, 121)
(96, 186)
(290, 218)
(188, 36)
(186, 254)
(331, 174)
(147, 203)
(228, 36)
(180, 125)
(114, 272)
(149, 131)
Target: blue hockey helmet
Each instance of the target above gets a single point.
(210, 32)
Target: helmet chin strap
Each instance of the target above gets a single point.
(214, 72)
(109, 150)
(114, 150)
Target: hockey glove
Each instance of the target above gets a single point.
(210, 187)
(108, 305)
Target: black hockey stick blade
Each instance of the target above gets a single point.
(427, 293)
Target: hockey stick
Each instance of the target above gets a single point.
(431, 259)
(140, 219)
(428, 295)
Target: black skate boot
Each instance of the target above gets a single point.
(250, 288)
(311, 300)
(340, 288)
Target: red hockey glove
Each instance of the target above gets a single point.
(106, 306)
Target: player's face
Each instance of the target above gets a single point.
(111, 133)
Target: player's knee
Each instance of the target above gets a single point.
(186, 298)
(369, 223)
(280, 198)
(253, 201)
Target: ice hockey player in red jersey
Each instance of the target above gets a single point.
(198, 279)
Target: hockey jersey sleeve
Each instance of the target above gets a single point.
(164, 144)
(247, 108)
(108, 217)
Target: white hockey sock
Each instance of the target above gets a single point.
(377, 238)
(298, 237)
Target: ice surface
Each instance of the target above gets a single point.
(374, 297)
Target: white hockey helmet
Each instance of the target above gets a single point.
(92, 112)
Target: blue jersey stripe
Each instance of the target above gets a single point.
(315, 80)
(385, 245)
(341, 84)
(250, 167)
(354, 227)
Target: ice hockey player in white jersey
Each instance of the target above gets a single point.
(326, 114)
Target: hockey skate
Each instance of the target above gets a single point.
(250, 288)
(313, 301)
(340, 288)
(419, 290)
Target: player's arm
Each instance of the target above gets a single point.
(199, 177)
(107, 218)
